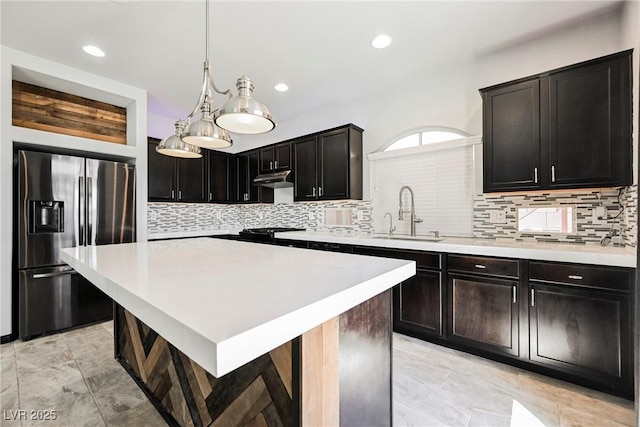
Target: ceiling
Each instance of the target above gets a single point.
(320, 49)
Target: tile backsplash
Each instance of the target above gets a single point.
(183, 217)
(333, 216)
(584, 202)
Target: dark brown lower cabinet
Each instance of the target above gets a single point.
(570, 321)
(483, 313)
(418, 303)
(582, 332)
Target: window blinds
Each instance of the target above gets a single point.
(443, 184)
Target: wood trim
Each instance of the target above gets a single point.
(48, 110)
(320, 389)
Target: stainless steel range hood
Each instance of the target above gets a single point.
(274, 179)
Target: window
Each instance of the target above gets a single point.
(442, 177)
(425, 137)
(547, 220)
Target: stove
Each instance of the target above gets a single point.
(265, 234)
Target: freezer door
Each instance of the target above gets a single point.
(110, 202)
(51, 299)
(49, 206)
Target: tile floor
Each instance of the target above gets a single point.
(75, 374)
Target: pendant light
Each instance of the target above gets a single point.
(175, 147)
(241, 114)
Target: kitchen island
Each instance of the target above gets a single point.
(233, 333)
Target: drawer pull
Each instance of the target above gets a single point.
(574, 277)
(533, 297)
(515, 294)
(480, 266)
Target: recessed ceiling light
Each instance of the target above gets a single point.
(281, 87)
(381, 41)
(93, 50)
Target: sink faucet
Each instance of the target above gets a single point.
(413, 218)
(391, 227)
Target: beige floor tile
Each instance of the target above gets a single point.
(96, 341)
(33, 356)
(143, 415)
(91, 364)
(483, 418)
(7, 350)
(115, 392)
(406, 416)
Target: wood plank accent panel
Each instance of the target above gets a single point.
(256, 394)
(49, 110)
(320, 375)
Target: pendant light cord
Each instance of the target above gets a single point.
(208, 82)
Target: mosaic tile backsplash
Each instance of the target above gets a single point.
(314, 216)
(182, 217)
(584, 203)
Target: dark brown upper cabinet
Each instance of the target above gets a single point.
(328, 165)
(175, 180)
(567, 128)
(247, 167)
(219, 183)
(275, 157)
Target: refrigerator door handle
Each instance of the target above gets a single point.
(90, 210)
(54, 274)
(81, 230)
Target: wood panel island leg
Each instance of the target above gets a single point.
(338, 373)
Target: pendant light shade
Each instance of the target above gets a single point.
(175, 147)
(242, 113)
(204, 133)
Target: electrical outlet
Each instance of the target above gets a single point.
(154, 216)
(497, 217)
(360, 215)
(260, 215)
(310, 216)
(218, 215)
(599, 215)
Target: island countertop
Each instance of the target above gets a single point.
(225, 303)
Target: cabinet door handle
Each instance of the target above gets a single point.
(319, 191)
(553, 174)
(173, 194)
(210, 197)
(535, 175)
(480, 266)
(575, 277)
(270, 165)
(179, 194)
(314, 191)
(276, 164)
(515, 294)
(533, 297)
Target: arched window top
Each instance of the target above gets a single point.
(425, 136)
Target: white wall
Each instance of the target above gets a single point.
(450, 97)
(57, 76)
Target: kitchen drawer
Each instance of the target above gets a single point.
(422, 259)
(618, 279)
(483, 265)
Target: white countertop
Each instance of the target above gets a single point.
(563, 252)
(183, 234)
(224, 303)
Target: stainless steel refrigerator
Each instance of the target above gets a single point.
(64, 201)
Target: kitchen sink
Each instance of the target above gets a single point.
(410, 238)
